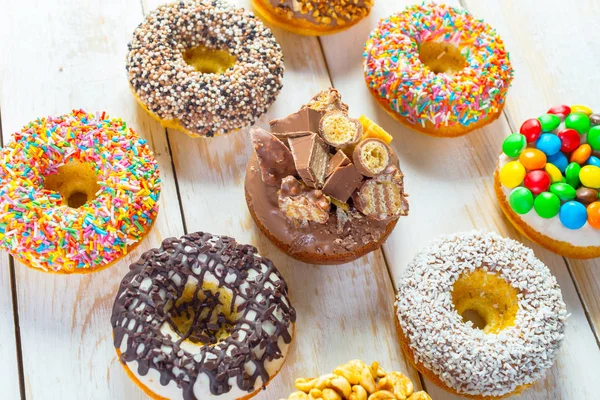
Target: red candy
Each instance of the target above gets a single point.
(562, 111)
(537, 181)
(570, 140)
(531, 129)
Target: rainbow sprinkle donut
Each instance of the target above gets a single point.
(548, 180)
(437, 69)
(77, 192)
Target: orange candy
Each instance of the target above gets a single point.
(532, 159)
(593, 211)
(581, 154)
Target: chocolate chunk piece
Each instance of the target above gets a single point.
(301, 204)
(382, 197)
(304, 120)
(339, 130)
(343, 182)
(310, 154)
(274, 158)
(372, 156)
(338, 160)
(328, 100)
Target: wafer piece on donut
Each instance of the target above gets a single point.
(310, 154)
(339, 130)
(301, 204)
(382, 197)
(328, 100)
(274, 158)
(371, 156)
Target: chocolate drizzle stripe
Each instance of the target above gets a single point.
(146, 308)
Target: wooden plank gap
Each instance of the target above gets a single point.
(182, 214)
(143, 8)
(15, 304)
(325, 61)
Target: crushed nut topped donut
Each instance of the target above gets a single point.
(204, 67)
(355, 380)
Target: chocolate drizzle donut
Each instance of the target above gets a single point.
(203, 316)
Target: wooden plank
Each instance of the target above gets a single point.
(9, 361)
(451, 189)
(555, 63)
(343, 312)
(71, 55)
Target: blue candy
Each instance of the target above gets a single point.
(559, 160)
(548, 143)
(573, 214)
(593, 160)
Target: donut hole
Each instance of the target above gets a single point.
(485, 300)
(207, 60)
(76, 182)
(441, 57)
(203, 314)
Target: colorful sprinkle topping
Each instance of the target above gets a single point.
(395, 71)
(557, 172)
(36, 224)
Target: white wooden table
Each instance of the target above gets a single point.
(56, 55)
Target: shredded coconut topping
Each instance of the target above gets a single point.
(460, 355)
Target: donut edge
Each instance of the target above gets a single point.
(559, 247)
(315, 258)
(454, 131)
(154, 396)
(428, 374)
(297, 26)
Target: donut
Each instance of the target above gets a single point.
(77, 192)
(202, 317)
(548, 179)
(312, 17)
(204, 67)
(437, 69)
(323, 187)
(356, 380)
(479, 315)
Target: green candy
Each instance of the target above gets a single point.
(564, 191)
(578, 121)
(521, 200)
(593, 137)
(546, 205)
(549, 122)
(514, 144)
(572, 174)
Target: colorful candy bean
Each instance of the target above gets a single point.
(593, 214)
(595, 119)
(578, 121)
(521, 200)
(532, 159)
(514, 144)
(573, 215)
(537, 181)
(564, 191)
(512, 174)
(549, 122)
(531, 129)
(593, 137)
(581, 154)
(586, 195)
(593, 160)
(570, 140)
(546, 205)
(578, 108)
(553, 172)
(562, 110)
(572, 174)
(589, 175)
(548, 143)
(559, 160)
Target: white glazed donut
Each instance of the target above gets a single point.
(202, 317)
(513, 291)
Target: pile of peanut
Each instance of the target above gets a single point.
(355, 380)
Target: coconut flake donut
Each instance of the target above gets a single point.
(437, 69)
(202, 317)
(77, 192)
(204, 67)
(548, 180)
(513, 294)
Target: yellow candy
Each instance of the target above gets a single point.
(581, 109)
(590, 176)
(554, 173)
(512, 174)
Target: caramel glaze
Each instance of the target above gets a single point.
(312, 242)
